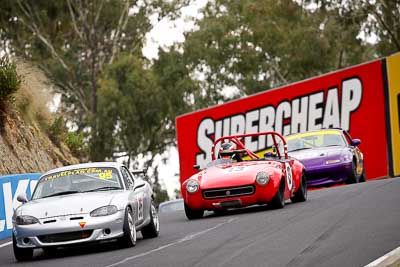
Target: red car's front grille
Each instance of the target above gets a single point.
(228, 192)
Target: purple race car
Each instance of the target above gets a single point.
(330, 156)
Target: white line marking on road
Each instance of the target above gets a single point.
(186, 238)
(388, 259)
(5, 244)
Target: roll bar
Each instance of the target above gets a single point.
(236, 140)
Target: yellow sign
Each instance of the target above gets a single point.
(393, 69)
(102, 173)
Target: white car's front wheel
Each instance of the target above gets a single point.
(21, 254)
(153, 228)
(129, 238)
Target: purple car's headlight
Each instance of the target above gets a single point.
(25, 220)
(347, 157)
(332, 161)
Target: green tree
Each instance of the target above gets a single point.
(379, 19)
(10, 81)
(255, 45)
(386, 25)
(138, 106)
(76, 43)
(74, 40)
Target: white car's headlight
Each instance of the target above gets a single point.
(25, 220)
(104, 211)
(262, 178)
(192, 186)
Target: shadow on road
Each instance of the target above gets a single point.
(77, 250)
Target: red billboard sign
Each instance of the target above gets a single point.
(352, 99)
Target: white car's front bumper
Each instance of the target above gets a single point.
(67, 230)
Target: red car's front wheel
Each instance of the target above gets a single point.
(301, 193)
(193, 214)
(278, 201)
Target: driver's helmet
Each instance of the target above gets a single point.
(225, 152)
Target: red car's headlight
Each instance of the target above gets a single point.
(262, 178)
(192, 186)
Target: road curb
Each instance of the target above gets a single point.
(391, 259)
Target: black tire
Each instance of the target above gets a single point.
(129, 238)
(193, 214)
(153, 228)
(21, 254)
(301, 193)
(278, 202)
(353, 178)
(363, 177)
(220, 212)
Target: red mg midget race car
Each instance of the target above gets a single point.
(238, 177)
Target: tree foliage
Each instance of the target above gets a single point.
(138, 105)
(74, 40)
(10, 81)
(255, 45)
(77, 43)
(380, 19)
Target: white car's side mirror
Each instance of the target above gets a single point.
(22, 198)
(139, 171)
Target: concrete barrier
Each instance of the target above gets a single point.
(391, 259)
(10, 187)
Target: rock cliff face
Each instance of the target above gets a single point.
(24, 147)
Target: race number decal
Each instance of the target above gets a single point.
(140, 206)
(289, 176)
(236, 169)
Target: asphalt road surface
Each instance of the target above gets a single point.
(340, 226)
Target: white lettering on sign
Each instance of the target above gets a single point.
(32, 185)
(204, 141)
(315, 111)
(299, 115)
(309, 112)
(351, 99)
(10, 201)
(252, 119)
(331, 115)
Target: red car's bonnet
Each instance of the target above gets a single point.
(235, 174)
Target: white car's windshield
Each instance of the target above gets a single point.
(78, 181)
